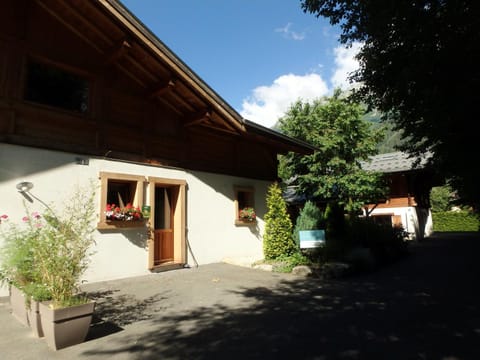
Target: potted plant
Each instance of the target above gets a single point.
(45, 259)
(62, 254)
(18, 270)
(247, 214)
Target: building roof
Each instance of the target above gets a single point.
(393, 162)
(216, 104)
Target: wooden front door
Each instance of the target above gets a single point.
(163, 226)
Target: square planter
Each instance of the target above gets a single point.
(18, 304)
(67, 326)
(35, 319)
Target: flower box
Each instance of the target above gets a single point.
(116, 224)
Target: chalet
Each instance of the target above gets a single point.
(408, 202)
(88, 92)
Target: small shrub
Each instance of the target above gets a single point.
(277, 238)
(286, 263)
(310, 218)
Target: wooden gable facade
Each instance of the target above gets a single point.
(88, 77)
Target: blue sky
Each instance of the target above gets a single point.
(258, 55)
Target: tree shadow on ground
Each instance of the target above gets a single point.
(425, 307)
(114, 311)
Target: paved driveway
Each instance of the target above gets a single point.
(423, 307)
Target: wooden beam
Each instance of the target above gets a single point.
(71, 25)
(142, 68)
(172, 62)
(162, 89)
(120, 51)
(182, 100)
(198, 119)
(171, 106)
(224, 130)
(132, 76)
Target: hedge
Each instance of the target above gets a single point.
(455, 221)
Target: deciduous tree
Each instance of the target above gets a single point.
(419, 67)
(343, 139)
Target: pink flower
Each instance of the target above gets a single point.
(36, 215)
(25, 219)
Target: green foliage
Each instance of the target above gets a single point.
(455, 221)
(64, 246)
(336, 243)
(406, 47)
(49, 253)
(17, 263)
(277, 238)
(333, 172)
(441, 198)
(385, 243)
(286, 263)
(310, 218)
(361, 242)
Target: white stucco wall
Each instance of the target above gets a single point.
(410, 220)
(210, 211)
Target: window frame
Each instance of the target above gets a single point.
(62, 68)
(137, 182)
(238, 204)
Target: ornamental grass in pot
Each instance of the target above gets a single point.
(62, 255)
(60, 246)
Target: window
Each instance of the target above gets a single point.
(53, 86)
(125, 192)
(244, 205)
(120, 192)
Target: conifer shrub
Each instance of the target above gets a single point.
(277, 238)
(310, 218)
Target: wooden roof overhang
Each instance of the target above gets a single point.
(124, 42)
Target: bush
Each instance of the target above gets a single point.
(17, 260)
(366, 245)
(385, 242)
(441, 198)
(310, 218)
(286, 263)
(455, 221)
(277, 238)
(336, 241)
(47, 255)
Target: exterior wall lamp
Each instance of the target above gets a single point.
(24, 186)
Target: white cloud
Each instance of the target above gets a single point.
(269, 103)
(345, 63)
(290, 34)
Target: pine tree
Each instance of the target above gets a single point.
(277, 238)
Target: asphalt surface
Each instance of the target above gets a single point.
(426, 306)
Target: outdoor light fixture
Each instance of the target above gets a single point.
(24, 186)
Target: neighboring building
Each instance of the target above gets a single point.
(408, 203)
(87, 92)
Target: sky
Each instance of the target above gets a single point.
(260, 56)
